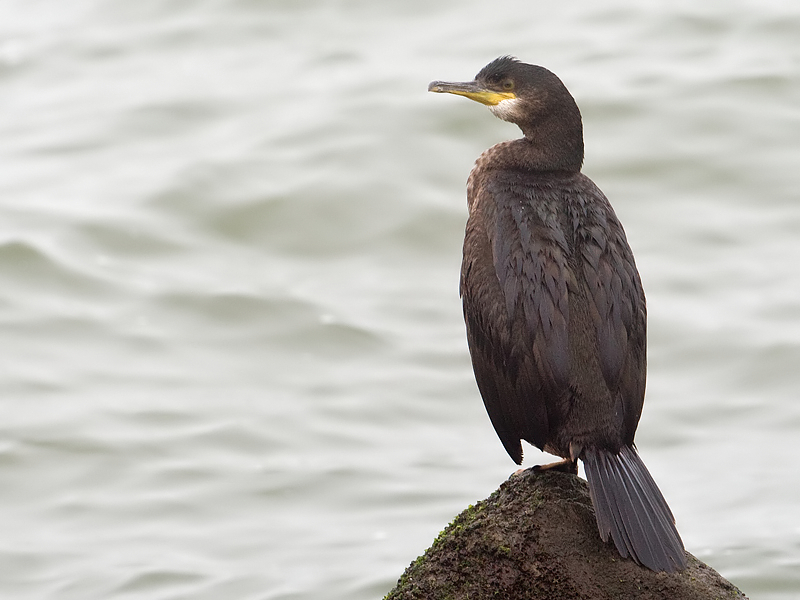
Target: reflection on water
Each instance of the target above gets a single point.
(229, 248)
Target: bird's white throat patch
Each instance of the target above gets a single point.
(505, 109)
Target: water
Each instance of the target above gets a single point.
(230, 232)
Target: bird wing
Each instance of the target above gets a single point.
(619, 311)
(514, 283)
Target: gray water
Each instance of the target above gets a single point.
(234, 364)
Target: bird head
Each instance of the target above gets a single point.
(529, 96)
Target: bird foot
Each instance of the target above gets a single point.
(562, 466)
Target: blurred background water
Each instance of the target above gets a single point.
(234, 364)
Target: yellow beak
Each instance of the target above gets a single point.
(471, 90)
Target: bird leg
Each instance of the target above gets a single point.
(563, 466)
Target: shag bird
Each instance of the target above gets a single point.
(554, 308)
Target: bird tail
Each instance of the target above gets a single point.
(629, 506)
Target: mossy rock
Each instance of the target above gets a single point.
(536, 538)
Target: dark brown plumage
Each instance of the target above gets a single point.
(554, 307)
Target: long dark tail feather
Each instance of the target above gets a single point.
(629, 506)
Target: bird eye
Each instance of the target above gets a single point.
(508, 85)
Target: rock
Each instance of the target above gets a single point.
(536, 538)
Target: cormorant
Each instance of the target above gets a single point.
(554, 308)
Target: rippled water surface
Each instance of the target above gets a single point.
(234, 364)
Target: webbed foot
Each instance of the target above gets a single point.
(562, 466)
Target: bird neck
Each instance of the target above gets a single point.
(553, 144)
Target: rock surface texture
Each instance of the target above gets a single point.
(536, 538)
